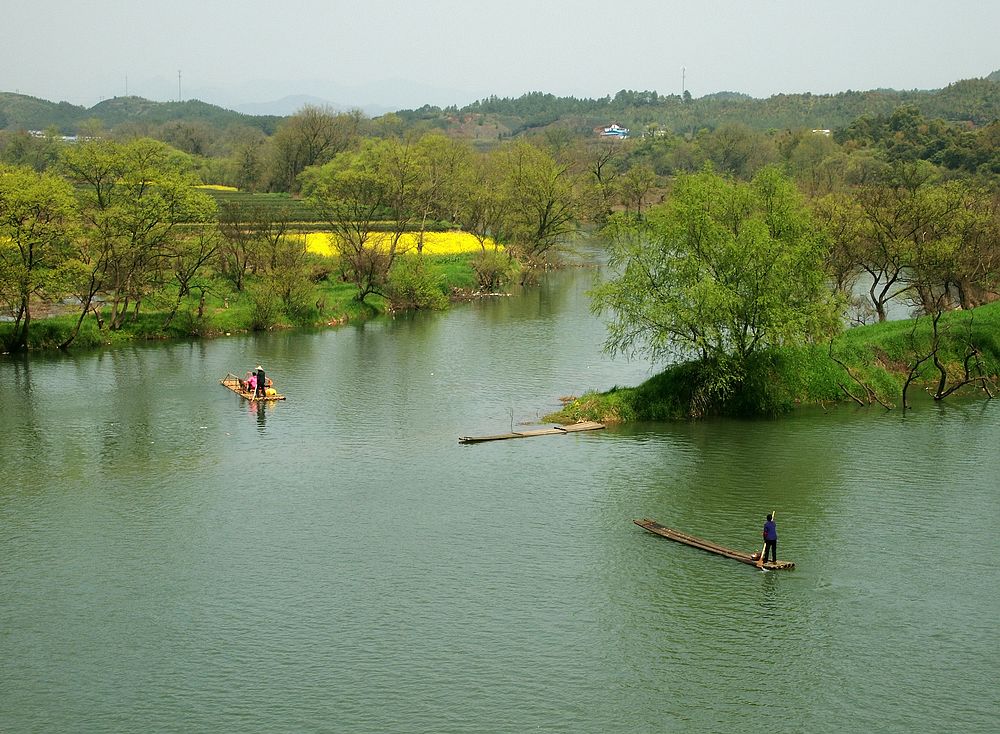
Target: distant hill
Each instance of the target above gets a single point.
(970, 101)
(21, 112)
(727, 96)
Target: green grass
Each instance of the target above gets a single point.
(776, 382)
(330, 302)
(455, 270)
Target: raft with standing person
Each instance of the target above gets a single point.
(254, 385)
(751, 559)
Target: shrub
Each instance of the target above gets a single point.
(265, 306)
(493, 270)
(415, 284)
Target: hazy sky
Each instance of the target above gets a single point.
(455, 51)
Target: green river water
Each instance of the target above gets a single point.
(175, 560)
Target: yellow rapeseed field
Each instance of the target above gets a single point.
(216, 187)
(435, 243)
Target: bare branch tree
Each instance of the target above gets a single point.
(871, 396)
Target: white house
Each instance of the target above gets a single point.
(614, 130)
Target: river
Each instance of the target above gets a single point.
(175, 560)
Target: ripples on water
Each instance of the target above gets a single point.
(175, 560)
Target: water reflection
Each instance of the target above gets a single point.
(261, 411)
(344, 537)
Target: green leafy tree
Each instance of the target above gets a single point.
(814, 159)
(21, 148)
(186, 258)
(252, 238)
(738, 150)
(843, 222)
(718, 272)
(133, 198)
(310, 137)
(485, 213)
(978, 227)
(242, 248)
(37, 218)
(956, 249)
(636, 184)
(368, 200)
(414, 284)
(485, 210)
(931, 243)
(895, 224)
(443, 167)
(246, 155)
(542, 205)
(602, 159)
(288, 272)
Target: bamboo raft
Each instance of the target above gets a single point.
(554, 431)
(707, 545)
(233, 383)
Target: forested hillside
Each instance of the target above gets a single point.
(21, 112)
(974, 101)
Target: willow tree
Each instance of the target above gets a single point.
(718, 273)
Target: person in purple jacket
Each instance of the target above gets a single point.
(770, 539)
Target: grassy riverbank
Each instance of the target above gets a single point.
(324, 300)
(876, 362)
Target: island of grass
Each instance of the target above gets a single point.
(879, 364)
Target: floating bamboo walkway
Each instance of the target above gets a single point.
(555, 430)
(707, 545)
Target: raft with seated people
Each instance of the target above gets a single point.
(245, 388)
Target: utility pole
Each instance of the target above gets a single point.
(178, 85)
(683, 80)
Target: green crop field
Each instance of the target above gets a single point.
(277, 206)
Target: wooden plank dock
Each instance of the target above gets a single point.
(707, 545)
(554, 431)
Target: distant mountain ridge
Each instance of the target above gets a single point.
(973, 101)
(22, 112)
